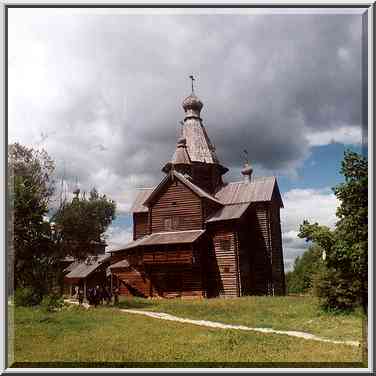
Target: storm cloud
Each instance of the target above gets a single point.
(101, 91)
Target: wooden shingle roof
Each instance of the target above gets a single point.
(260, 189)
(200, 192)
(163, 238)
(227, 212)
(199, 147)
(138, 204)
(90, 265)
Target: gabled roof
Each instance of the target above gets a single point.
(90, 265)
(193, 187)
(227, 212)
(71, 266)
(200, 192)
(260, 189)
(138, 204)
(162, 238)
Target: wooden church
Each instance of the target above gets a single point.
(195, 235)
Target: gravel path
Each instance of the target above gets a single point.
(218, 325)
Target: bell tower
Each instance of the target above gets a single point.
(196, 153)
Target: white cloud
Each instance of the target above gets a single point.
(118, 236)
(346, 135)
(315, 205)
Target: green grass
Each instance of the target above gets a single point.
(300, 313)
(76, 336)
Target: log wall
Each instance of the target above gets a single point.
(245, 242)
(222, 266)
(140, 225)
(169, 271)
(278, 273)
(205, 176)
(181, 205)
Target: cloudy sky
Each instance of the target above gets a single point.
(101, 91)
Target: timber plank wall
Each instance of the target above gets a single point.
(163, 272)
(223, 275)
(278, 272)
(140, 225)
(179, 203)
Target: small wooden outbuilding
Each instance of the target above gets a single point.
(89, 273)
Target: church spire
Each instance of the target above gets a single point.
(195, 155)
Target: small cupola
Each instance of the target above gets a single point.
(192, 106)
(180, 160)
(247, 169)
(181, 155)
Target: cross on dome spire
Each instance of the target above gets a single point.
(192, 105)
(193, 79)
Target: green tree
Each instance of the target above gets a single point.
(30, 191)
(301, 279)
(80, 225)
(343, 283)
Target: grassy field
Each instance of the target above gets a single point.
(300, 313)
(79, 337)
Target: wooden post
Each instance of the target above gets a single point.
(84, 288)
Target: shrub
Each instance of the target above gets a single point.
(337, 292)
(26, 297)
(52, 302)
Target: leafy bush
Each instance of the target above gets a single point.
(52, 302)
(337, 292)
(26, 297)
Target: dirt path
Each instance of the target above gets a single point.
(218, 325)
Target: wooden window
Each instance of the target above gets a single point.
(175, 222)
(225, 244)
(168, 223)
(171, 223)
(226, 269)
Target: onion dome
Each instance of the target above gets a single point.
(192, 103)
(192, 106)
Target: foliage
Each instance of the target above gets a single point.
(343, 282)
(52, 302)
(80, 224)
(26, 297)
(38, 246)
(338, 291)
(300, 279)
(30, 189)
